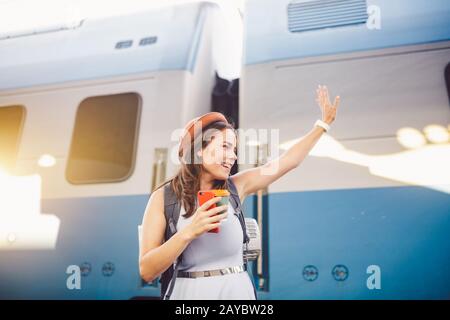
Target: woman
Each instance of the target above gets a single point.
(207, 158)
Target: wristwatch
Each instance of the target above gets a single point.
(322, 124)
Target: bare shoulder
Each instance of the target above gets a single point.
(153, 222)
(155, 202)
(155, 206)
(158, 196)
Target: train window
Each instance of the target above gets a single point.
(104, 139)
(447, 80)
(11, 123)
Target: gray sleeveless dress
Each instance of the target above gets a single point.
(214, 251)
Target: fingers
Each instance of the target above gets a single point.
(213, 226)
(216, 218)
(320, 93)
(216, 210)
(336, 101)
(215, 221)
(318, 100)
(323, 97)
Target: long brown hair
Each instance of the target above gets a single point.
(186, 183)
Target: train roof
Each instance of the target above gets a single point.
(160, 39)
(286, 29)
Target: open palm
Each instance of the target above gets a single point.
(328, 110)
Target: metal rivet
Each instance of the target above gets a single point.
(108, 269)
(340, 272)
(310, 273)
(85, 269)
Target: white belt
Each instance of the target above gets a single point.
(209, 273)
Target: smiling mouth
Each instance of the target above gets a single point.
(226, 165)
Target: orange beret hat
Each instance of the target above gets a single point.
(205, 120)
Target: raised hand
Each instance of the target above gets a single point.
(328, 110)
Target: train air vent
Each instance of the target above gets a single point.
(148, 40)
(320, 14)
(124, 44)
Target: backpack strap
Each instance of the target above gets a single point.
(236, 203)
(171, 213)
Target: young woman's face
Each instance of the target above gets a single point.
(220, 154)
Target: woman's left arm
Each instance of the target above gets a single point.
(254, 179)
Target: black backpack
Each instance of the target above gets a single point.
(172, 212)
